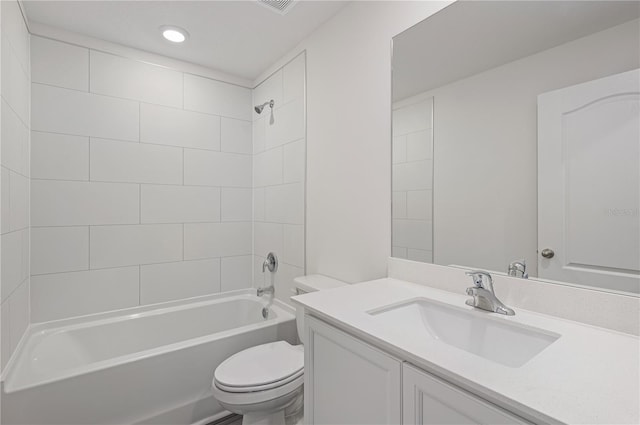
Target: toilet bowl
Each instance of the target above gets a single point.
(264, 383)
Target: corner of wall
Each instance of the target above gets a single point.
(279, 175)
(14, 178)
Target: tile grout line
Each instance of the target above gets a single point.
(139, 122)
(139, 284)
(89, 248)
(147, 264)
(220, 195)
(117, 182)
(15, 51)
(24, 124)
(88, 70)
(220, 274)
(9, 220)
(89, 164)
(173, 223)
(138, 100)
(146, 143)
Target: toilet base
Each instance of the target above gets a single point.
(275, 418)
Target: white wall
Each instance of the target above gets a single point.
(349, 134)
(142, 183)
(485, 147)
(14, 178)
(412, 180)
(279, 176)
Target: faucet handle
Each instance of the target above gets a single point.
(271, 263)
(518, 268)
(481, 279)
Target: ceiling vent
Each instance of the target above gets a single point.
(281, 7)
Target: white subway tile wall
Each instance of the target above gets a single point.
(59, 156)
(142, 184)
(412, 171)
(14, 178)
(158, 281)
(60, 295)
(135, 244)
(206, 240)
(279, 176)
(235, 272)
(236, 136)
(142, 195)
(207, 168)
(59, 249)
(120, 77)
(47, 68)
(184, 204)
(175, 127)
(216, 98)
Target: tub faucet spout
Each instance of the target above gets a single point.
(268, 290)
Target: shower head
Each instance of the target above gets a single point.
(259, 108)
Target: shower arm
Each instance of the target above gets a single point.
(259, 108)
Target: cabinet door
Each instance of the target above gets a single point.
(347, 381)
(429, 400)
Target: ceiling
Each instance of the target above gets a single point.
(241, 38)
(470, 37)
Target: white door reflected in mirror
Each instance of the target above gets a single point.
(589, 182)
(469, 195)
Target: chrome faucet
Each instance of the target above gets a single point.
(271, 264)
(268, 290)
(518, 268)
(483, 295)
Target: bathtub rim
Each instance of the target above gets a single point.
(86, 321)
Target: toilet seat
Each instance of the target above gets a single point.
(247, 389)
(261, 368)
(254, 401)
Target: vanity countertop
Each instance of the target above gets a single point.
(588, 375)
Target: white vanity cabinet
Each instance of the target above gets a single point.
(430, 400)
(348, 381)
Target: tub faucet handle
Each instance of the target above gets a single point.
(270, 263)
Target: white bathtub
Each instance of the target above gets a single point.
(142, 365)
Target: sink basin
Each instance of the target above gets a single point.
(492, 338)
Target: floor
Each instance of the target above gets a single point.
(229, 420)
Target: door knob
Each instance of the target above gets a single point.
(547, 253)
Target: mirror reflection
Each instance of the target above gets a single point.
(516, 142)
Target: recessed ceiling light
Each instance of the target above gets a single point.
(174, 34)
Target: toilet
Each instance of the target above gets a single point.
(264, 383)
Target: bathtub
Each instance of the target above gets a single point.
(151, 365)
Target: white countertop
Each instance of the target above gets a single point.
(588, 375)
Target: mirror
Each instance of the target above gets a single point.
(516, 134)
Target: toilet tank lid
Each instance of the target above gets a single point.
(316, 282)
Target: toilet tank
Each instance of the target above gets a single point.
(311, 283)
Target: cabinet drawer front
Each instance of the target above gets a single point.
(429, 400)
(348, 381)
